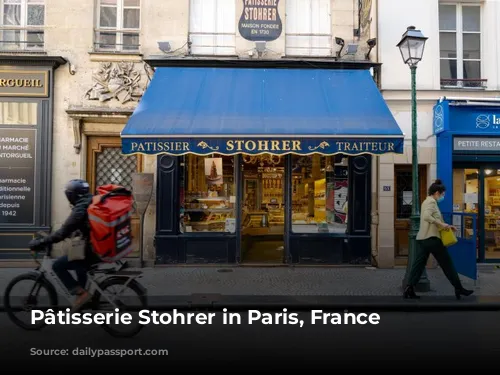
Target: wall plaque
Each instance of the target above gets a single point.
(17, 176)
(24, 83)
(260, 20)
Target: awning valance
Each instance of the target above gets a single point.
(255, 110)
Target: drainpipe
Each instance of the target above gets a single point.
(375, 214)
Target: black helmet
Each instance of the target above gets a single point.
(76, 189)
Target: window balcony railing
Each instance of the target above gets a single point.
(213, 44)
(312, 45)
(469, 83)
(113, 40)
(13, 38)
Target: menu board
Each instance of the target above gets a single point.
(17, 176)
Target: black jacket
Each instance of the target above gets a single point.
(77, 221)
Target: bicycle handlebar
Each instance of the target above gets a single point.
(48, 248)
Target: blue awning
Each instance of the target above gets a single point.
(256, 110)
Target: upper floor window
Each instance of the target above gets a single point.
(22, 24)
(212, 27)
(118, 25)
(460, 45)
(308, 28)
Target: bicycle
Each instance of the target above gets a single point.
(99, 279)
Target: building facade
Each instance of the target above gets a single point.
(96, 53)
(461, 60)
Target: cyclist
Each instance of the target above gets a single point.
(78, 194)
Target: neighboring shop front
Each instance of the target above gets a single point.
(26, 102)
(262, 162)
(468, 162)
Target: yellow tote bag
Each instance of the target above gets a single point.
(448, 237)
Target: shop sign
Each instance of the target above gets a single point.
(17, 176)
(260, 20)
(24, 83)
(476, 144)
(486, 121)
(302, 146)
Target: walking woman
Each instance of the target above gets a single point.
(429, 242)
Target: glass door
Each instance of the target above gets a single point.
(467, 199)
(491, 196)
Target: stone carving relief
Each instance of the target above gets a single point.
(120, 81)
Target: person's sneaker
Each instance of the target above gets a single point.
(81, 300)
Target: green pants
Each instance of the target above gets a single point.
(435, 247)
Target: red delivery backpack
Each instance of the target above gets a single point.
(110, 222)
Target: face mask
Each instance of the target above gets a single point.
(440, 199)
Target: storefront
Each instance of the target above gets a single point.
(26, 91)
(262, 162)
(468, 161)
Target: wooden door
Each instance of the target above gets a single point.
(402, 204)
(106, 165)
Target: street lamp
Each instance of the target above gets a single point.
(411, 47)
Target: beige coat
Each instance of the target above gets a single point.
(430, 217)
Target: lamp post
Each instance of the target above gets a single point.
(411, 47)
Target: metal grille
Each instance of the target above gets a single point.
(114, 168)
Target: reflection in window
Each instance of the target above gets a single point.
(15, 113)
(118, 25)
(465, 190)
(212, 28)
(492, 213)
(207, 194)
(465, 201)
(22, 24)
(320, 187)
(460, 45)
(404, 194)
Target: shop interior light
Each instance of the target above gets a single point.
(488, 171)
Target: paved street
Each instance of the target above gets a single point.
(297, 281)
(445, 339)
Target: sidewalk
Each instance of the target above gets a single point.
(273, 286)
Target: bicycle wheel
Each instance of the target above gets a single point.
(123, 302)
(35, 284)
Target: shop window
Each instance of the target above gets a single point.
(492, 213)
(18, 113)
(308, 28)
(118, 25)
(320, 194)
(22, 24)
(208, 194)
(460, 45)
(466, 190)
(212, 27)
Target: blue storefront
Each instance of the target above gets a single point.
(468, 161)
(262, 161)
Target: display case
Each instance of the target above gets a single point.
(207, 214)
(255, 223)
(320, 200)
